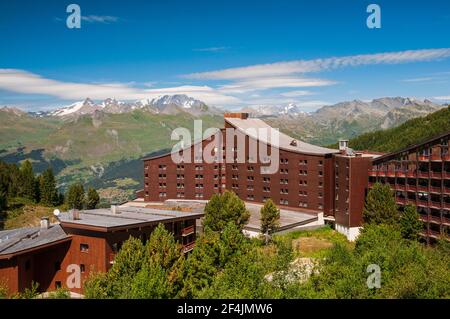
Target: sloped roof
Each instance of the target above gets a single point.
(249, 125)
(22, 239)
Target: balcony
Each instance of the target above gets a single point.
(381, 173)
(423, 174)
(390, 173)
(434, 219)
(400, 201)
(436, 158)
(187, 248)
(373, 173)
(400, 187)
(446, 205)
(401, 174)
(423, 158)
(446, 157)
(187, 231)
(446, 221)
(422, 188)
(436, 174)
(410, 174)
(435, 189)
(446, 175)
(434, 234)
(446, 190)
(412, 188)
(423, 203)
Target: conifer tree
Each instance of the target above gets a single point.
(92, 198)
(47, 187)
(270, 217)
(410, 224)
(75, 196)
(380, 207)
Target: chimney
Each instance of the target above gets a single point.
(45, 224)
(343, 146)
(242, 116)
(74, 214)
(114, 209)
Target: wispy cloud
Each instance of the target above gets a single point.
(308, 66)
(424, 79)
(442, 98)
(210, 49)
(296, 93)
(265, 83)
(99, 19)
(29, 83)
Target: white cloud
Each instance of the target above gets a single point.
(28, 83)
(272, 82)
(424, 79)
(99, 19)
(296, 93)
(308, 66)
(442, 98)
(211, 49)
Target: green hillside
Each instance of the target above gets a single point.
(409, 133)
(102, 150)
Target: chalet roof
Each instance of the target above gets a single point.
(286, 142)
(22, 239)
(125, 217)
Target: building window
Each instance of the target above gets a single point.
(284, 161)
(284, 181)
(284, 202)
(284, 171)
(162, 175)
(320, 163)
(266, 179)
(250, 168)
(320, 173)
(198, 176)
(84, 248)
(57, 265)
(58, 284)
(250, 178)
(82, 268)
(163, 167)
(284, 191)
(303, 172)
(320, 184)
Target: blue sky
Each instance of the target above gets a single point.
(227, 53)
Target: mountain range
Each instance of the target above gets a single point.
(101, 143)
(166, 104)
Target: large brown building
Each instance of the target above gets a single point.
(63, 255)
(308, 178)
(420, 175)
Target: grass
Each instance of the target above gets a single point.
(315, 243)
(24, 213)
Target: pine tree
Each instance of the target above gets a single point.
(47, 187)
(410, 224)
(75, 196)
(224, 208)
(27, 187)
(92, 198)
(270, 217)
(380, 207)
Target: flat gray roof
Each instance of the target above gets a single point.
(125, 216)
(20, 239)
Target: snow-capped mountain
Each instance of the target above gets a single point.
(166, 104)
(290, 109)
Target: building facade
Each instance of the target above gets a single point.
(64, 254)
(307, 178)
(420, 175)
